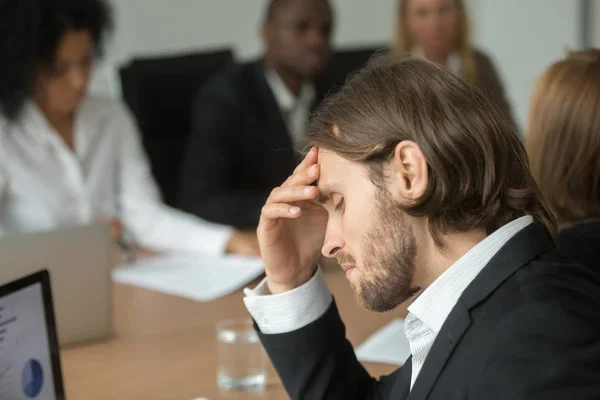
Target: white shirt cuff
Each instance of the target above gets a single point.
(289, 311)
(219, 239)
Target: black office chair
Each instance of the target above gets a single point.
(342, 64)
(159, 92)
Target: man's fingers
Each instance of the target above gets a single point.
(271, 212)
(295, 188)
(302, 169)
(304, 177)
(291, 194)
(309, 159)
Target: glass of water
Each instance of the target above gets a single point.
(242, 361)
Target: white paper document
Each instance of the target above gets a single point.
(196, 277)
(388, 345)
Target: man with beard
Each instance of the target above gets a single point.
(248, 122)
(420, 188)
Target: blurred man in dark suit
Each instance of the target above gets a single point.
(249, 120)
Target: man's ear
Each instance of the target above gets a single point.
(408, 175)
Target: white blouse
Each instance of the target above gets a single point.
(45, 185)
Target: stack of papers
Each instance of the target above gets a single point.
(196, 277)
(388, 345)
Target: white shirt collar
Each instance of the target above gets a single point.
(36, 124)
(454, 63)
(295, 110)
(40, 129)
(286, 100)
(436, 302)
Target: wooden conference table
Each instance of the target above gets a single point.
(164, 347)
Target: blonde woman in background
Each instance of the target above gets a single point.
(438, 30)
(563, 142)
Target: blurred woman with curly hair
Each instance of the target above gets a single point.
(68, 157)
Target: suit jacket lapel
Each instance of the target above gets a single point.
(453, 330)
(402, 385)
(525, 246)
(280, 135)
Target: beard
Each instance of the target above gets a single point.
(388, 254)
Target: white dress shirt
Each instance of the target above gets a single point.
(297, 308)
(294, 109)
(429, 311)
(45, 185)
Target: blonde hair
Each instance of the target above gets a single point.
(403, 42)
(563, 136)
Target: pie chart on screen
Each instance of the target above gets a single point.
(32, 378)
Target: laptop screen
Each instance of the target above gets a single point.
(29, 366)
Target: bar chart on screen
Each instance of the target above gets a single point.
(5, 321)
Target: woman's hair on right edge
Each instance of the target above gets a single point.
(563, 136)
(477, 166)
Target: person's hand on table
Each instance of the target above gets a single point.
(125, 253)
(243, 243)
(116, 228)
(116, 233)
(292, 227)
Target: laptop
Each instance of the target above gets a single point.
(79, 260)
(29, 354)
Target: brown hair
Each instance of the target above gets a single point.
(403, 42)
(477, 166)
(563, 136)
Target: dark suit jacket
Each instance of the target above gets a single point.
(489, 81)
(528, 327)
(238, 151)
(581, 243)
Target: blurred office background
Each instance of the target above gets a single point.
(522, 36)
